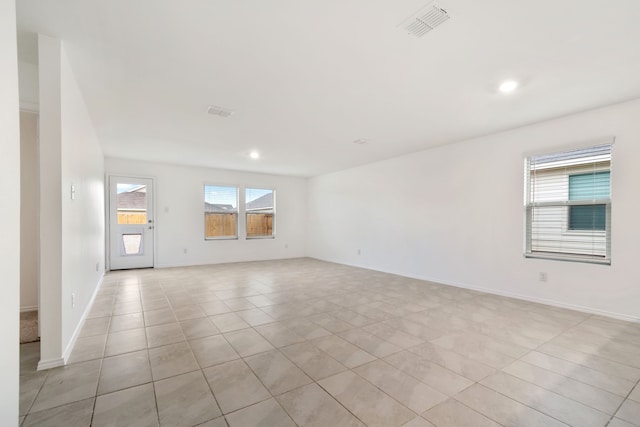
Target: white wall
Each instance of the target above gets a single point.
(9, 215)
(50, 142)
(29, 198)
(83, 223)
(71, 231)
(180, 214)
(29, 92)
(455, 215)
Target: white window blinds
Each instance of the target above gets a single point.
(568, 205)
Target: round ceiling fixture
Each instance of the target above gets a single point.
(508, 86)
(254, 154)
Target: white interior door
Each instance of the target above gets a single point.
(131, 222)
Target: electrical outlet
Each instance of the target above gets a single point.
(73, 300)
(286, 245)
(185, 250)
(358, 251)
(543, 276)
(97, 266)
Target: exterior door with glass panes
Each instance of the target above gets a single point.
(131, 222)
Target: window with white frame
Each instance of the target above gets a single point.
(220, 212)
(260, 208)
(568, 205)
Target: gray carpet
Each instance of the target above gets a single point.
(29, 327)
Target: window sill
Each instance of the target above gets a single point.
(260, 237)
(222, 238)
(569, 257)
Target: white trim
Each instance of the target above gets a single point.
(154, 193)
(51, 363)
(107, 220)
(212, 262)
(28, 308)
(580, 308)
(544, 301)
(72, 342)
(574, 145)
(240, 201)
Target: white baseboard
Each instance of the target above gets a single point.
(51, 363)
(544, 301)
(28, 308)
(160, 265)
(72, 342)
(527, 298)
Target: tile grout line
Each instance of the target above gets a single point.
(146, 338)
(95, 398)
(37, 394)
(338, 402)
(569, 361)
(502, 370)
(277, 291)
(551, 391)
(623, 402)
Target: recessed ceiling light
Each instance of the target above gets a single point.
(508, 86)
(361, 141)
(254, 154)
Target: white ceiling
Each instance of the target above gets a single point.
(306, 78)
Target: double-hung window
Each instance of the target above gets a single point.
(568, 205)
(260, 211)
(220, 212)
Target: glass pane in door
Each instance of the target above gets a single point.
(132, 203)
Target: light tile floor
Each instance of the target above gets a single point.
(310, 343)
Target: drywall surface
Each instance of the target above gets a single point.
(50, 142)
(29, 218)
(179, 195)
(9, 215)
(455, 215)
(71, 231)
(29, 92)
(83, 224)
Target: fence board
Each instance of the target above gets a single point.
(220, 224)
(132, 217)
(259, 224)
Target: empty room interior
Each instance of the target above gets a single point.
(340, 213)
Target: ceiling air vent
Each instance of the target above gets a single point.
(219, 111)
(425, 20)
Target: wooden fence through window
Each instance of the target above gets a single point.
(220, 224)
(259, 224)
(129, 217)
(216, 224)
